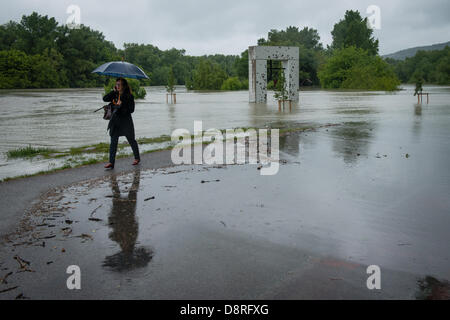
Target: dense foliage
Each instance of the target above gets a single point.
(353, 61)
(170, 88)
(38, 53)
(354, 31)
(427, 66)
(234, 83)
(311, 52)
(281, 93)
(355, 68)
(207, 75)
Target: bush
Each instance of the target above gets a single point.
(244, 84)
(354, 68)
(232, 83)
(138, 92)
(21, 71)
(207, 75)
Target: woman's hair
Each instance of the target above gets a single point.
(125, 85)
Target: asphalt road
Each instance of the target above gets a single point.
(19, 194)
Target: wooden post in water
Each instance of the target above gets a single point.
(282, 102)
(420, 98)
(173, 97)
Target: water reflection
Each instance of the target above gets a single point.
(125, 229)
(417, 125)
(352, 139)
(430, 288)
(418, 110)
(172, 117)
(290, 143)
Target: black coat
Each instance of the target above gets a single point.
(121, 123)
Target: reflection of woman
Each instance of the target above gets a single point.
(125, 229)
(121, 123)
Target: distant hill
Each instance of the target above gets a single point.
(406, 53)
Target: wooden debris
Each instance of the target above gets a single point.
(3, 280)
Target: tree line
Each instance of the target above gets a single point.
(426, 66)
(37, 52)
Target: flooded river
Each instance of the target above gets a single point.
(61, 119)
(372, 189)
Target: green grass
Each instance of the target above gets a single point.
(160, 139)
(79, 160)
(102, 147)
(29, 152)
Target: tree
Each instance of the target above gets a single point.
(15, 68)
(47, 70)
(36, 33)
(418, 88)
(354, 31)
(355, 68)
(84, 50)
(208, 75)
(310, 49)
(241, 65)
(292, 36)
(234, 83)
(8, 35)
(170, 88)
(281, 93)
(428, 66)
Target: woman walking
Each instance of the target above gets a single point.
(121, 123)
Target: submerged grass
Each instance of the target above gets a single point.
(160, 139)
(78, 160)
(29, 152)
(102, 147)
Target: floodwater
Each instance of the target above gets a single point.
(372, 190)
(60, 119)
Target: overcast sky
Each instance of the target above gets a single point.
(230, 26)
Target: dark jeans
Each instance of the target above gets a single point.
(113, 148)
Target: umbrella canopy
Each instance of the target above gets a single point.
(121, 69)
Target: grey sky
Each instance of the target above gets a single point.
(229, 27)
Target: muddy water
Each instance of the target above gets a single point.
(63, 118)
(373, 190)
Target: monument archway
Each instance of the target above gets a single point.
(257, 72)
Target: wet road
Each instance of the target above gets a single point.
(372, 190)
